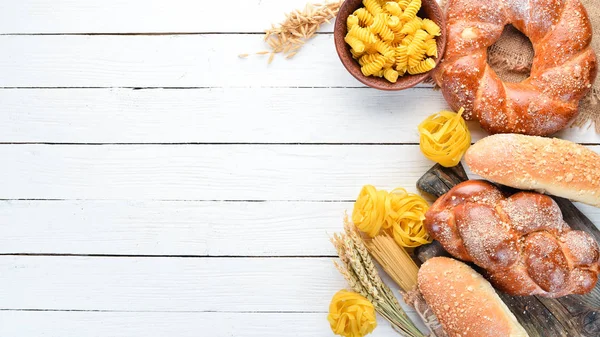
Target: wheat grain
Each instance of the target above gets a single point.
(362, 276)
(299, 26)
(363, 252)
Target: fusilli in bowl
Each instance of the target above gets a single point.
(429, 9)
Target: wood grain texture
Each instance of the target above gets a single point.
(174, 228)
(205, 172)
(224, 115)
(151, 284)
(165, 61)
(142, 16)
(170, 228)
(180, 324)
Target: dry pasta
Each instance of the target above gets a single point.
(394, 23)
(391, 75)
(373, 7)
(431, 27)
(421, 67)
(431, 48)
(398, 212)
(352, 21)
(364, 17)
(389, 40)
(411, 26)
(393, 8)
(355, 43)
(380, 27)
(411, 10)
(444, 137)
(403, 4)
(362, 34)
(372, 68)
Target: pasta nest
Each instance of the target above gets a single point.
(351, 315)
(399, 213)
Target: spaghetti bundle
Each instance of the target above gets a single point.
(395, 261)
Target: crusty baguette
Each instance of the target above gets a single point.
(547, 165)
(464, 302)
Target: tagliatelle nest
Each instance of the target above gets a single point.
(299, 26)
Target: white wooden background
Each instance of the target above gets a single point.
(154, 184)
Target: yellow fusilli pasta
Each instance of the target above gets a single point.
(390, 75)
(362, 34)
(411, 10)
(431, 27)
(382, 47)
(393, 8)
(352, 21)
(412, 26)
(366, 59)
(381, 28)
(373, 67)
(389, 40)
(356, 55)
(373, 7)
(407, 40)
(422, 67)
(401, 59)
(390, 59)
(415, 59)
(431, 48)
(355, 43)
(394, 23)
(364, 17)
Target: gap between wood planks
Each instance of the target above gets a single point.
(170, 311)
(206, 88)
(225, 143)
(255, 257)
(144, 34)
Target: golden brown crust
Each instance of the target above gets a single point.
(563, 69)
(551, 165)
(521, 241)
(464, 302)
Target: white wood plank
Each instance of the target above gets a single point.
(224, 115)
(263, 115)
(128, 324)
(175, 228)
(142, 16)
(205, 172)
(170, 228)
(168, 284)
(164, 61)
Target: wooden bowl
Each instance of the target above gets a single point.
(429, 9)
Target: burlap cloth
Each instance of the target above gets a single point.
(512, 54)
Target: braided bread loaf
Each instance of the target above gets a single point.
(563, 69)
(521, 241)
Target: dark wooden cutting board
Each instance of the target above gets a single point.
(570, 316)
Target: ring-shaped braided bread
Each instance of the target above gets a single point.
(563, 70)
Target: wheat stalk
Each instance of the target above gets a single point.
(298, 27)
(358, 268)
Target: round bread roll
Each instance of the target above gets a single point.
(464, 302)
(547, 165)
